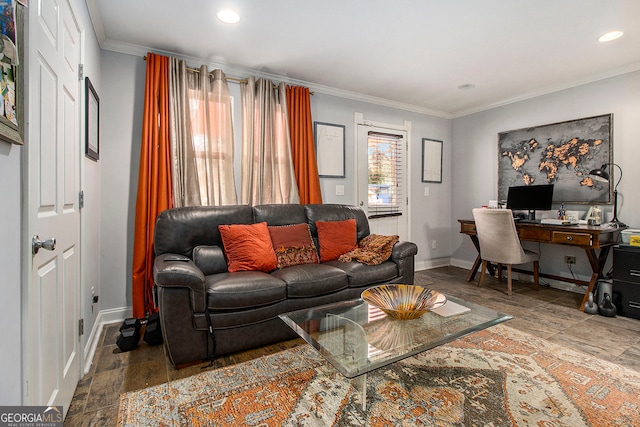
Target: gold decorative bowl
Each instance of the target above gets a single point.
(403, 302)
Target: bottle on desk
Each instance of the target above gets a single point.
(597, 215)
(562, 213)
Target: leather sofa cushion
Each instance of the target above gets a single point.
(361, 274)
(210, 259)
(329, 212)
(310, 280)
(280, 214)
(179, 230)
(243, 290)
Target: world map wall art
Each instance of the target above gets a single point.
(561, 154)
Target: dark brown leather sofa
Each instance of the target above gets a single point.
(190, 274)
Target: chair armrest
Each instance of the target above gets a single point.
(403, 249)
(178, 271)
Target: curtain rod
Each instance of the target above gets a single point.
(233, 79)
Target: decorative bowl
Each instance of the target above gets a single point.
(390, 334)
(403, 302)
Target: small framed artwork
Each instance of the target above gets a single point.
(431, 160)
(92, 121)
(11, 72)
(329, 140)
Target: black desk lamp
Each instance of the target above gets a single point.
(602, 176)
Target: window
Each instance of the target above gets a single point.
(210, 124)
(385, 154)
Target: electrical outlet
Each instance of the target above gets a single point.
(568, 259)
(434, 244)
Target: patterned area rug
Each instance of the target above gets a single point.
(496, 377)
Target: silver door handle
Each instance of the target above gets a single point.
(36, 244)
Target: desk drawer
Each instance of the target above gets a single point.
(626, 264)
(534, 234)
(626, 297)
(569, 238)
(468, 228)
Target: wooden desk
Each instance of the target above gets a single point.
(586, 237)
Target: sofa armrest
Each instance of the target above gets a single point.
(403, 254)
(178, 271)
(402, 250)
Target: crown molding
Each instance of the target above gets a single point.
(242, 73)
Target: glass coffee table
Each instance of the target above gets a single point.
(357, 338)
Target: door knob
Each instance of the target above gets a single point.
(36, 244)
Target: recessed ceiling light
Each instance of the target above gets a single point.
(466, 86)
(228, 16)
(611, 35)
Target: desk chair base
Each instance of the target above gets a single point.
(536, 282)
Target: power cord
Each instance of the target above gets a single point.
(571, 271)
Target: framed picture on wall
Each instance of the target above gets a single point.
(431, 160)
(329, 140)
(561, 154)
(11, 72)
(92, 121)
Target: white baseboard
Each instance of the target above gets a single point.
(105, 317)
(462, 263)
(432, 263)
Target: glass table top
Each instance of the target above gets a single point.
(356, 337)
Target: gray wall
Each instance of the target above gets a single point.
(11, 266)
(123, 78)
(475, 157)
(91, 185)
(429, 215)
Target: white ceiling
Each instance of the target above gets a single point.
(412, 54)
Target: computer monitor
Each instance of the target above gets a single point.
(530, 198)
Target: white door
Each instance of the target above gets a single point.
(52, 296)
(382, 178)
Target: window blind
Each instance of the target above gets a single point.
(385, 153)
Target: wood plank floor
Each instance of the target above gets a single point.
(548, 313)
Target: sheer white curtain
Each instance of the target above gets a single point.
(201, 136)
(267, 169)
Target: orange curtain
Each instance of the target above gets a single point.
(154, 181)
(303, 152)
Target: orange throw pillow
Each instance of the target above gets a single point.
(336, 238)
(248, 247)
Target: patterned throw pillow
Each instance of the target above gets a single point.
(336, 238)
(248, 247)
(293, 245)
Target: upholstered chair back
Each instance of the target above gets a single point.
(498, 237)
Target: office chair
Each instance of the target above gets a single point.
(500, 244)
